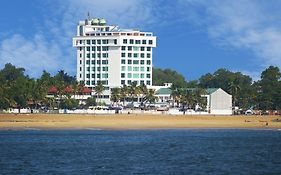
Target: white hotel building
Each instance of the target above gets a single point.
(113, 56)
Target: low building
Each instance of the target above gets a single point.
(218, 101)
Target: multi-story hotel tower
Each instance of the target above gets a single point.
(113, 56)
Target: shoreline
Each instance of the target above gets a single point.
(134, 122)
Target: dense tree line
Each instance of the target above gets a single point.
(18, 90)
(264, 94)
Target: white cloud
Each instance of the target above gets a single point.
(35, 54)
(53, 50)
(249, 24)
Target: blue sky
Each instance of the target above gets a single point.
(194, 37)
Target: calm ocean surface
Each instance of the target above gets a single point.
(187, 151)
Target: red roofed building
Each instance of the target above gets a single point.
(52, 90)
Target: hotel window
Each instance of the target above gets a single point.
(105, 69)
(131, 41)
(142, 75)
(148, 55)
(80, 48)
(105, 41)
(136, 62)
(89, 42)
(98, 61)
(98, 41)
(98, 75)
(147, 75)
(148, 69)
(142, 48)
(88, 75)
(88, 55)
(142, 69)
(135, 68)
(129, 75)
(80, 75)
(98, 55)
(93, 55)
(80, 68)
(122, 75)
(142, 62)
(93, 75)
(142, 55)
(98, 69)
(105, 55)
(148, 82)
(104, 61)
(129, 68)
(124, 41)
(141, 82)
(104, 75)
(129, 61)
(123, 62)
(123, 55)
(150, 42)
(80, 61)
(138, 41)
(93, 62)
(148, 62)
(93, 41)
(99, 48)
(135, 75)
(88, 82)
(136, 48)
(148, 48)
(80, 55)
(104, 48)
(80, 41)
(87, 61)
(88, 68)
(122, 82)
(88, 48)
(115, 41)
(129, 48)
(129, 55)
(93, 82)
(129, 81)
(143, 41)
(93, 48)
(123, 48)
(136, 55)
(123, 68)
(93, 69)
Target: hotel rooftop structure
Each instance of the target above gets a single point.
(112, 56)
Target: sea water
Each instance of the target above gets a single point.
(170, 151)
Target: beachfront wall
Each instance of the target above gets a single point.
(220, 103)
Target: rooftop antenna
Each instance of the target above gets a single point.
(88, 15)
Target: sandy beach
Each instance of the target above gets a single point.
(133, 121)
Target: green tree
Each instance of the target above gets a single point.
(269, 89)
(160, 76)
(115, 94)
(99, 89)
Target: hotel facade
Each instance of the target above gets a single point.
(112, 56)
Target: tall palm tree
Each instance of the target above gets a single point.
(176, 95)
(99, 88)
(150, 96)
(200, 100)
(143, 92)
(234, 88)
(115, 94)
(124, 93)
